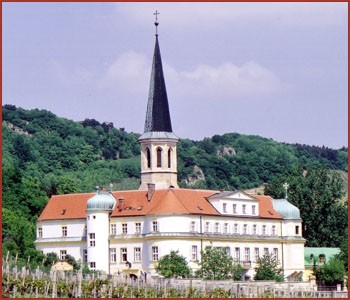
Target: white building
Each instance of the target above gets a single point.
(128, 231)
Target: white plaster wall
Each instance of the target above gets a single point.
(218, 204)
(289, 227)
(53, 229)
(76, 249)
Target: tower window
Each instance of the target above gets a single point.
(169, 158)
(159, 158)
(148, 155)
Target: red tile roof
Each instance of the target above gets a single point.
(167, 201)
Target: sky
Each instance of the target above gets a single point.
(278, 70)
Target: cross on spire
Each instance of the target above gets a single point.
(156, 21)
(286, 186)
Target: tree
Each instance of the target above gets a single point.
(267, 268)
(50, 259)
(217, 264)
(71, 260)
(173, 265)
(331, 273)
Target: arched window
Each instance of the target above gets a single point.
(169, 158)
(148, 155)
(159, 157)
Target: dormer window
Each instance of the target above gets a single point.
(244, 209)
(253, 209)
(321, 258)
(234, 207)
(224, 207)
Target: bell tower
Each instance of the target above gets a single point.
(158, 142)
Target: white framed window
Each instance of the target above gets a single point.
(40, 232)
(224, 207)
(244, 209)
(92, 240)
(123, 254)
(63, 254)
(246, 254)
(235, 228)
(217, 227)
(234, 208)
(194, 252)
(155, 226)
(113, 229)
(275, 253)
(245, 229)
(228, 251)
(264, 230)
(92, 265)
(225, 227)
(137, 254)
(64, 230)
(253, 209)
(256, 253)
(255, 230)
(193, 226)
(266, 251)
(85, 255)
(207, 227)
(237, 256)
(296, 230)
(113, 255)
(138, 227)
(273, 230)
(85, 230)
(125, 228)
(155, 253)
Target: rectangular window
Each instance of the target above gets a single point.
(207, 227)
(256, 253)
(123, 255)
(234, 207)
(125, 228)
(228, 251)
(244, 211)
(155, 226)
(193, 226)
(264, 230)
(92, 239)
(40, 232)
(64, 230)
(92, 265)
(273, 230)
(237, 256)
(235, 228)
(217, 229)
(246, 254)
(245, 229)
(137, 254)
(194, 252)
(138, 227)
(155, 253)
(113, 255)
(224, 207)
(253, 210)
(114, 229)
(255, 230)
(84, 255)
(63, 254)
(85, 230)
(226, 228)
(297, 230)
(275, 253)
(266, 251)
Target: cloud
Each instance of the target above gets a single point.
(73, 76)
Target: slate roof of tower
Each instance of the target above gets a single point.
(157, 115)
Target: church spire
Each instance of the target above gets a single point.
(158, 115)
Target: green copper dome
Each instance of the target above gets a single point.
(101, 201)
(286, 209)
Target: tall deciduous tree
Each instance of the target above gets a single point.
(217, 264)
(267, 268)
(173, 265)
(331, 273)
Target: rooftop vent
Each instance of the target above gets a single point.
(63, 211)
(150, 192)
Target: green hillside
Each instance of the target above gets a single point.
(44, 155)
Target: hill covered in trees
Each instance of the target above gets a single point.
(44, 154)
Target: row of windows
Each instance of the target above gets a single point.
(235, 229)
(159, 157)
(235, 210)
(137, 227)
(137, 256)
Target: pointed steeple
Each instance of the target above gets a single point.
(158, 115)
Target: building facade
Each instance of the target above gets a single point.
(129, 231)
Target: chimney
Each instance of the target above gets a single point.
(121, 204)
(151, 189)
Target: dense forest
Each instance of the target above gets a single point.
(43, 155)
